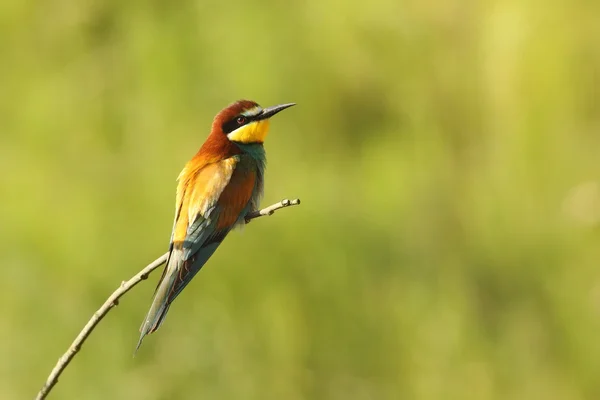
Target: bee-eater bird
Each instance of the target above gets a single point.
(217, 188)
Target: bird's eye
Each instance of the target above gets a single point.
(241, 120)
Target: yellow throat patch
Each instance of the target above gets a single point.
(254, 132)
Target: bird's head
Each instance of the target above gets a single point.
(245, 121)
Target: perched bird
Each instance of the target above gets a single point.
(217, 188)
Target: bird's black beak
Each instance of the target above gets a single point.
(270, 111)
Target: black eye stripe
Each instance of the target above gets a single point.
(230, 126)
(233, 124)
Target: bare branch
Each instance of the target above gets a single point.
(271, 209)
(113, 300)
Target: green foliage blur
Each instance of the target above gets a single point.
(447, 159)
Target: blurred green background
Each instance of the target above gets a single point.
(447, 159)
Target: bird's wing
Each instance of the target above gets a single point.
(219, 196)
(210, 200)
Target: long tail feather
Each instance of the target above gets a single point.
(177, 274)
(160, 304)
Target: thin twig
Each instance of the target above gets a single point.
(271, 209)
(113, 300)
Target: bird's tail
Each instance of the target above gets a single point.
(161, 301)
(176, 275)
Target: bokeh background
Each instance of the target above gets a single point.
(447, 159)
